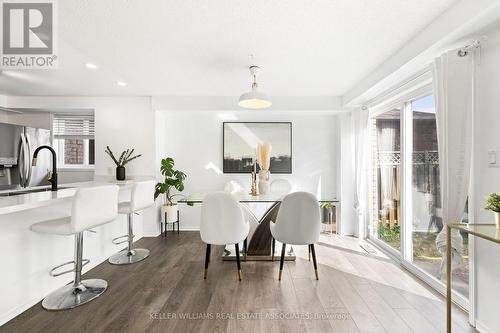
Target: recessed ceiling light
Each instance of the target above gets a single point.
(90, 66)
(121, 83)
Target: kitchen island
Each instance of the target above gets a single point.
(27, 257)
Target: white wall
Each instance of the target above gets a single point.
(486, 179)
(121, 123)
(194, 140)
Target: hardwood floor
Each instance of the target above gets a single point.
(356, 292)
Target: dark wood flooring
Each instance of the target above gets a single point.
(356, 292)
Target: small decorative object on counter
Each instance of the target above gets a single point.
(327, 220)
(493, 204)
(174, 179)
(264, 160)
(253, 189)
(125, 157)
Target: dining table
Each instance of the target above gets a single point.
(259, 238)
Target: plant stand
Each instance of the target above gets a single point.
(165, 223)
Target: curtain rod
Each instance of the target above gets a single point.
(462, 52)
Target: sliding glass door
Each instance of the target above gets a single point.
(386, 176)
(405, 195)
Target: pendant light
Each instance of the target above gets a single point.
(254, 99)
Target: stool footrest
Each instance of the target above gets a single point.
(117, 240)
(54, 274)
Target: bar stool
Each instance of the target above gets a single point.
(91, 207)
(142, 197)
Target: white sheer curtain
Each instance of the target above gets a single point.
(453, 93)
(387, 144)
(360, 128)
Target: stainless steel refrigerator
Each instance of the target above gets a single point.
(17, 144)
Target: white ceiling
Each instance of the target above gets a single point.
(202, 48)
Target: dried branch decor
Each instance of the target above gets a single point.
(125, 156)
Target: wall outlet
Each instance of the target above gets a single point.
(492, 159)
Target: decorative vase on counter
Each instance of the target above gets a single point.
(497, 220)
(120, 173)
(264, 184)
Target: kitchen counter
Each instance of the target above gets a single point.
(25, 270)
(20, 202)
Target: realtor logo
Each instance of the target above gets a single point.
(28, 31)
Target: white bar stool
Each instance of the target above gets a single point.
(91, 207)
(142, 197)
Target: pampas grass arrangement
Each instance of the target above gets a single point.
(264, 156)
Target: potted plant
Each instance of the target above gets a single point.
(174, 179)
(125, 157)
(493, 204)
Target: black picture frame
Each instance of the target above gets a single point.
(225, 166)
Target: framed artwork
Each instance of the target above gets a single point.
(240, 140)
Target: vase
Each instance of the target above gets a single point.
(497, 220)
(264, 183)
(120, 173)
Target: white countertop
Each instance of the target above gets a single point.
(16, 203)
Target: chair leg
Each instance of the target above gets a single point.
(282, 260)
(207, 260)
(245, 247)
(237, 248)
(80, 291)
(314, 261)
(273, 246)
(178, 222)
(309, 248)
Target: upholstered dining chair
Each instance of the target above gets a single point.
(281, 186)
(297, 223)
(222, 223)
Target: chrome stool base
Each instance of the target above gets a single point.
(128, 257)
(69, 296)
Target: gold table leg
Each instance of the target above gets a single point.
(448, 279)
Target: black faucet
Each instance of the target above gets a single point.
(53, 177)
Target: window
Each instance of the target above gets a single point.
(74, 140)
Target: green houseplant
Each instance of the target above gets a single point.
(493, 204)
(125, 157)
(174, 180)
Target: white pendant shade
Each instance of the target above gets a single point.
(254, 99)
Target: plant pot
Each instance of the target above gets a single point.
(264, 184)
(497, 220)
(169, 213)
(120, 173)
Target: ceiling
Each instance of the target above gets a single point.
(202, 48)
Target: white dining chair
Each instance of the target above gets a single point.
(281, 186)
(91, 207)
(142, 196)
(297, 223)
(222, 223)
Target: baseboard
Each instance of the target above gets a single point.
(483, 328)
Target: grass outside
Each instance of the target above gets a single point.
(427, 257)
